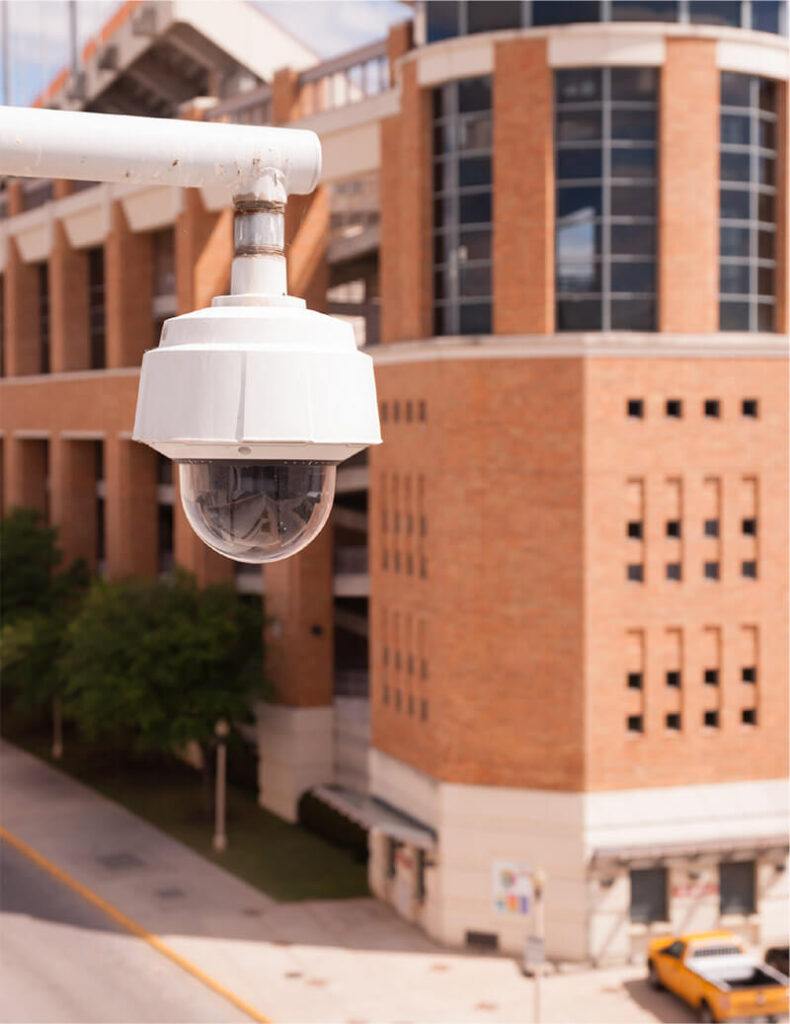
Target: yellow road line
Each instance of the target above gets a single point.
(130, 925)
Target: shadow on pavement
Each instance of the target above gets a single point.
(663, 1005)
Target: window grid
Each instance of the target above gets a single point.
(462, 209)
(747, 235)
(588, 296)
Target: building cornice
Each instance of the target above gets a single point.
(607, 345)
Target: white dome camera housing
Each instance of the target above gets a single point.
(257, 399)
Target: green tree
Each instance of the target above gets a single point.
(158, 662)
(37, 603)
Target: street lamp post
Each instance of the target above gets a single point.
(221, 731)
(538, 886)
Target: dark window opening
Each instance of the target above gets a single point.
(736, 887)
(635, 529)
(674, 571)
(749, 527)
(635, 680)
(635, 408)
(648, 895)
(673, 720)
(749, 716)
(673, 678)
(749, 570)
(711, 527)
(749, 407)
(749, 674)
(711, 570)
(96, 317)
(673, 527)
(635, 572)
(634, 723)
(43, 318)
(712, 408)
(482, 940)
(712, 676)
(674, 408)
(711, 719)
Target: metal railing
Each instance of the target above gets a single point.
(251, 107)
(347, 79)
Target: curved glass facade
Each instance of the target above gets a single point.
(747, 213)
(606, 168)
(462, 206)
(448, 18)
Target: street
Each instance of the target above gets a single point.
(64, 960)
(343, 961)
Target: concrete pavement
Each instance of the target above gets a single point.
(323, 961)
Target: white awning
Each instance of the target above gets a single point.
(369, 812)
(737, 847)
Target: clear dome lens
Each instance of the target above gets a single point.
(257, 511)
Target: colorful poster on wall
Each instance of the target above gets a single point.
(512, 887)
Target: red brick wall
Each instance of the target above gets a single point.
(523, 189)
(688, 273)
(656, 451)
(500, 456)
(406, 253)
(128, 291)
(68, 305)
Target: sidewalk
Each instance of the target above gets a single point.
(323, 961)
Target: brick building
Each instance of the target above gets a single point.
(548, 621)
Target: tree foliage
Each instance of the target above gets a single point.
(158, 662)
(36, 605)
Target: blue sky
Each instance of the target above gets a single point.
(38, 31)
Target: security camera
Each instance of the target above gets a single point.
(257, 400)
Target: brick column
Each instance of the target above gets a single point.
(406, 252)
(523, 189)
(688, 145)
(130, 508)
(129, 288)
(22, 335)
(68, 305)
(25, 475)
(400, 40)
(73, 498)
(285, 96)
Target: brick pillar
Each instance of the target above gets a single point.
(400, 40)
(130, 508)
(129, 289)
(688, 146)
(523, 189)
(25, 472)
(285, 96)
(307, 237)
(73, 498)
(406, 253)
(68, 305)
(782, 320)
(22, 334)
(203, 251)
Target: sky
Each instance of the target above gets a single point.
(39, 47)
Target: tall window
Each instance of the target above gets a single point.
(649, 895)
(747, 226)
(462, 191)
(605, 160)
(43, 317)
(736, 887)
(96, 307)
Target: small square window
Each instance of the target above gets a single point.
(384, 412)
(749, 570)
(673, 678)
(711, 570)
(635, 680)
(749, 716)
(674, 408)
(711, 527)
(749, 674)
(674, 571)
(673, 527)
(711, 719)
(673, 720)
(424, 710)
(712, 408)
(422, 412)
(749, 407)
(636, 408)
(635, 572)
(635, 723)
(749, 527)
(635, 529)
(712, 676)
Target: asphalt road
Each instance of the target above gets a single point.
(62, 959)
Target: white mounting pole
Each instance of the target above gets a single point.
(257, 161)
(261, 165)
